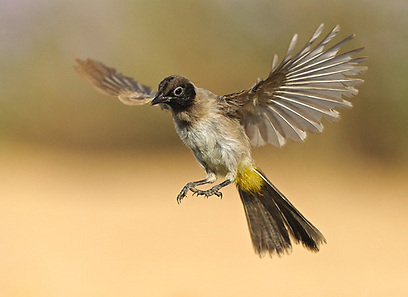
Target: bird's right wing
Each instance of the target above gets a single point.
(109, 82)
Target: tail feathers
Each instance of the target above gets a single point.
(272, 219)
(268, 231)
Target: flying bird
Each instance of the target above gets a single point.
(220, 130)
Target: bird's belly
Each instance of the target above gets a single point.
(211, 158)
(215, 152)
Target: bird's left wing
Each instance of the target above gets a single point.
(298, 92)
(110, 82)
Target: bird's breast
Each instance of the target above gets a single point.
(216, 143)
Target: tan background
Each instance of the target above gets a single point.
(88, 186)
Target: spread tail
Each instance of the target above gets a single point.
(272, 219)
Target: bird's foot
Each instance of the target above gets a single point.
(207, 193)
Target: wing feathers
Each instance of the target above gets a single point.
(299, 91)
(291, 48)
(274, 63)
(109, 82)
(285, 126)
(318, 50)
(295, 115)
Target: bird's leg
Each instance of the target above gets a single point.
(189, 186)
(213, 191)
(192, 186)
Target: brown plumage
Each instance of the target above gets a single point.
(220, 130)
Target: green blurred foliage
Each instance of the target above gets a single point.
(222, 45)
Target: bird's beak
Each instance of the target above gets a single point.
(159, 98)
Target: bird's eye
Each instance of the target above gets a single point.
(178, 91)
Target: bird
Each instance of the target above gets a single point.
(305, 87)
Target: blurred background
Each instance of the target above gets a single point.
(88, 185)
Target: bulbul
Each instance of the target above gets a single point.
(220, 130)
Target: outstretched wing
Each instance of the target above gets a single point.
(109, 82)
(298, 92)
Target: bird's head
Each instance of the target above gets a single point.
(175, 92)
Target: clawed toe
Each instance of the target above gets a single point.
(218, 194)
(206, 193)
(182, 195)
